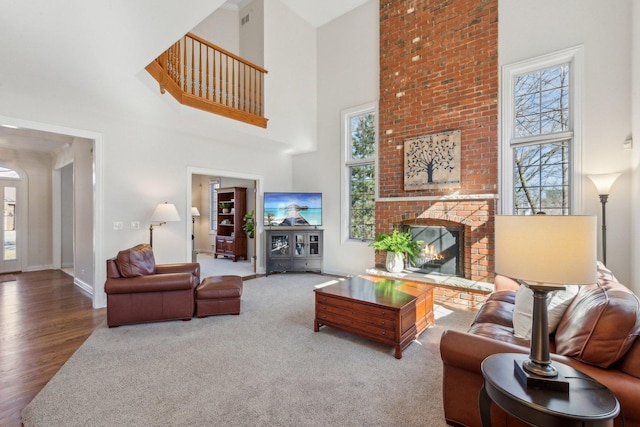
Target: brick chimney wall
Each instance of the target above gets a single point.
(439, 73)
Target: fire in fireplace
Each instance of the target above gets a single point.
(441, 251)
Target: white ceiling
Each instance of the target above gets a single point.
(32, 140)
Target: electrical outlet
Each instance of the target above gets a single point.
(135, 225)
(117, 225)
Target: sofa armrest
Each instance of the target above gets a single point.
(503, 283)
(188, 267)
(467, 351)
(150, 283)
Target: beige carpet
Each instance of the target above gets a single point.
(265, 367)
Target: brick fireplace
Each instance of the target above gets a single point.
(439, 73)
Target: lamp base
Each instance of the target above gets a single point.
(527, 379)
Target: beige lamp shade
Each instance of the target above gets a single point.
(194, 211)
(541, 249)
(165, 212)
(604, 182)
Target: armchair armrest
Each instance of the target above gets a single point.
(151, 283)
(189, 267)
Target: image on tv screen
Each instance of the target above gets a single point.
(292, 209)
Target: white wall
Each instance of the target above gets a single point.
(66, 207)
(291, 84)
(252, 33)
(529, 29)
(221, 29)
(347, 77)
(635, 154)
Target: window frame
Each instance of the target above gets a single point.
(346, 116)
(213, 205)
(573, 56)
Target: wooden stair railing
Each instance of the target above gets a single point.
(202, 75)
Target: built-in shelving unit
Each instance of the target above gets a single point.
(231, 240)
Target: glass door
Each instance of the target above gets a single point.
(9, 260)
(300, 248)
(280, 247)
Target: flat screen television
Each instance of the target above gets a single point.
(293, 209)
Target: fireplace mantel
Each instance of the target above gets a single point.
(440, 198)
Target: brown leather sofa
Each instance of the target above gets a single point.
(596, 335)
(140, 291)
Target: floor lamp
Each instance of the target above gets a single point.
(194, 213)
(165, 212)
(544, 253)
(603, 183)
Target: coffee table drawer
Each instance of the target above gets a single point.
(371, 310)
(359, 315)
(354, 325)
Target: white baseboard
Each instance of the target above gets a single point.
(83, 285)
(38, 268)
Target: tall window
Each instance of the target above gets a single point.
(214, 184)
(540, 116)
(359, 125)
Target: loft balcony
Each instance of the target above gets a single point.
(201, 75)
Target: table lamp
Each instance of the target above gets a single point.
(544, 253)
(165, 212)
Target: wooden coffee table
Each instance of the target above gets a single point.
(388, 311)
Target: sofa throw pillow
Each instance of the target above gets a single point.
(136, 261)
(557, 303)
(600, 325)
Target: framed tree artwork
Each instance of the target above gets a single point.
(432, 161)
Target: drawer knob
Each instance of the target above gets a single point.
(383, 322)
(383, 312)
(384, 333)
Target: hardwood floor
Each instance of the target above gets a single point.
(44, 318)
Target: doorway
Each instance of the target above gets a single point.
(85, 150)
(200, 182)
(10, 259)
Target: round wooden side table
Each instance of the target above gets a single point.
(588, 403)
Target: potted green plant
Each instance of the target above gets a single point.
(249, 224)
(397, 245)
(225, 206)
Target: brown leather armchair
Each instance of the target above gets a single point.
(140, 291)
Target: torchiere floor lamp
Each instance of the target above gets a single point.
(603, 183)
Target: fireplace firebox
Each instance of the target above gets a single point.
(442, 249)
